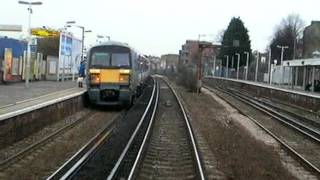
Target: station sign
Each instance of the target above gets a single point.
(41, 32)
(13, 28)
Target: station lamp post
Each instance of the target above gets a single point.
(238, 64)
(227, 66)
(102, 37)
(269, 64)
(27, 69)
(257, 67)
(247, 64)
(72, 23)
(281, 61)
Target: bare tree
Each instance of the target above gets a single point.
(289, 33)
(295, 25)
(219, 36)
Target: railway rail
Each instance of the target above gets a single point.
(165, 148)
(25, 152)
(72, 165)
(309, 125)
(82, 163)
(309, 133)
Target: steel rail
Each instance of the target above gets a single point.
(307, 121)
(73, 164)
(125, 151)
(314, 133)
(147, 135)
(310, 133)
(23, 152)
(296, 154)
(191, 134)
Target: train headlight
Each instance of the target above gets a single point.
(124, 71)
(94, 78)
(124, 78)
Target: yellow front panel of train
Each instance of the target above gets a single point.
(109, 75)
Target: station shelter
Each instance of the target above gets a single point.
(304, 74)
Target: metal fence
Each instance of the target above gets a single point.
(298, 78)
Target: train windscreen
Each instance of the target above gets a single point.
(110, 57)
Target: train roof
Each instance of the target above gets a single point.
(117, 43)
(113, 43)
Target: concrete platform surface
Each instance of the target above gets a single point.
(16, 92)
(15, 99)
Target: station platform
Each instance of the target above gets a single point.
(309, 101)
(269, 86)
(15, 99)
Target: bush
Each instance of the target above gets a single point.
(187, 76)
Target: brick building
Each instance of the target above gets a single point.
(188, 55)
(311, 39)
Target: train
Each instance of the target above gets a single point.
(116, 73)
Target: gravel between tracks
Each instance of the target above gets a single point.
(240, 149)
(45, 160)
(169, 152)
(49, 129)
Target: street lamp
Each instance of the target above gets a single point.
(272, 70)
(282, 51)
(257, 67)
(72, 23)
(269, 64)
(281, 60)
(102, 37)
(227, 65)
(247, 64)
(30, 4)
(237, 54)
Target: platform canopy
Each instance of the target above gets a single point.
(302, 62)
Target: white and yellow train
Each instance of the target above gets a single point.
(116, 73)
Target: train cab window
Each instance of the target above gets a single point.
(100, 59)
(120, 60)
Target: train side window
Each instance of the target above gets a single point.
(135, 61)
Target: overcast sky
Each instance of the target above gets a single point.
(161, 26)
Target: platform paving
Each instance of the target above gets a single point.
(284, 88)
(16, 92)
(15, 99)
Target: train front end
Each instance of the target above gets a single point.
(109, 74)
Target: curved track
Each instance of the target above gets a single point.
(90, 160)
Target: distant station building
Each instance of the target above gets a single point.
(311, 40)
(169, 62)
(155, 63)
(189, 52)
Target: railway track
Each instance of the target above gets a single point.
(33, 147)
(90, 161)
(72, 165)
(296, 124)
(165, 148)
(307, 156)
(309, 125)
